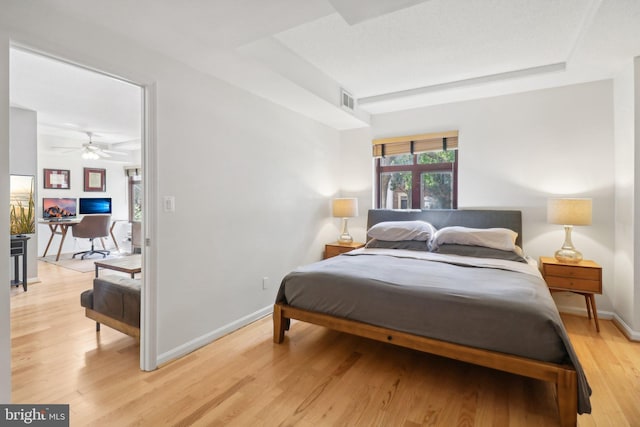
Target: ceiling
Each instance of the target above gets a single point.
(389, 54)
(73, 103)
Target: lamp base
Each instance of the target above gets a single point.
(568, 255)
(345, 238)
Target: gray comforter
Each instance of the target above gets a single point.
(469, 301)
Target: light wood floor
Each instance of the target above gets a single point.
(316, 377)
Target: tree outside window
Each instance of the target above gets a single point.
(425, 180)
(135, 198)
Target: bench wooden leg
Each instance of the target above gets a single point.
(118, 325)
(97, 326)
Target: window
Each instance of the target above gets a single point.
(417, 172)
(135, 193)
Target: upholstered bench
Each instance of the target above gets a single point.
(115, 302)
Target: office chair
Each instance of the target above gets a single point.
(92, 227)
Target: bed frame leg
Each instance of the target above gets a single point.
(279, 324)
(567, 392)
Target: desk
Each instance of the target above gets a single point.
(113, 225)
(130, 265)
(19, 248)
(61, 228)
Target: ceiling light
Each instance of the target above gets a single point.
(89, 155)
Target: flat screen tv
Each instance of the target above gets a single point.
(95, 205)
(59, 207)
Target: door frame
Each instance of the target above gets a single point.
(148, 307)
(148, 104)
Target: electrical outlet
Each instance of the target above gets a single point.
(265, 283)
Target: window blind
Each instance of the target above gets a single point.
(132, 171)
(415, 143)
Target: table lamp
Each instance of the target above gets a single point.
(345, 208)
(569, 212)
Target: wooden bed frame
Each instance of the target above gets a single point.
(563, 376)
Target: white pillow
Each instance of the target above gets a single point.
(496, 238)
(396, 231)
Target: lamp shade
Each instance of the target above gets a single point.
(569, 211)
(345, 208)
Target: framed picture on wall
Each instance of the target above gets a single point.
(95, 179)
(57, 178)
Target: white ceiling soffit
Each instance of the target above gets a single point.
(392, 55)
(356, 11)
(438, 42)
(206, 35)
(543, 69)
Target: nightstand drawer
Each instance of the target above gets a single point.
(335, 249)
(574, 284)
(331, 251)
(584, 278)
(572, 272)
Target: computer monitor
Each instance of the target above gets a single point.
(59, 207)
(95, 205)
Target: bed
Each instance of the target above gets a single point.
(411, 296)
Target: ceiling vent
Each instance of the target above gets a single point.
(346, 100)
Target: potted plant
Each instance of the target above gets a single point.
(22, 204)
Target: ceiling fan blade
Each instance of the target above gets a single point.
(64, 150)
(119, 153)
(101, 153)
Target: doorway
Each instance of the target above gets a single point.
(87, 124)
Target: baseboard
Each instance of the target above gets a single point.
(631, 334)
(626, 329)
(570, 309)
(203, 340)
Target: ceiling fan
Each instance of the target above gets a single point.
(94, 152)
(91, 151)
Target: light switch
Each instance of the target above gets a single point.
(169, 204)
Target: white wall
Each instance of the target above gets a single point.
(518, 150)
(355, 177)
(24, 148)
(635, 323)
(625, 188)
(5, 326)
(252, 182)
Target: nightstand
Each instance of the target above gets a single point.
(584, 278)
(333, 249)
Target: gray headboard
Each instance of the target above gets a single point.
(448, 217)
